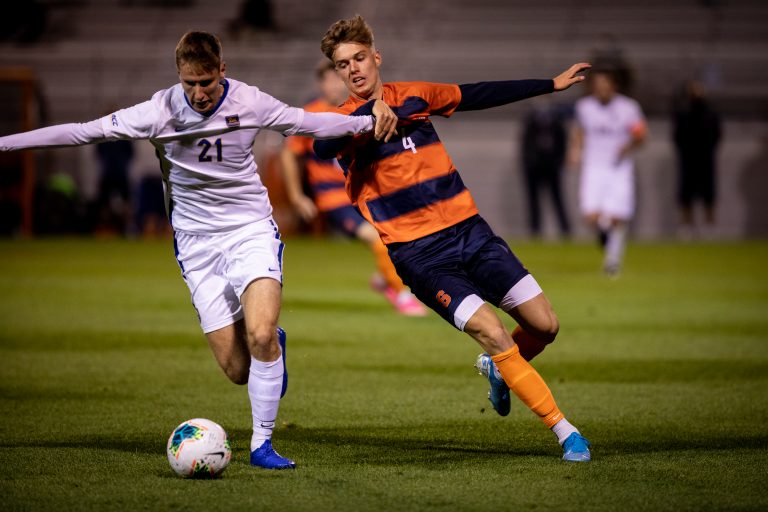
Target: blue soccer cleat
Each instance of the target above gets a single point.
(576, 448)
(266, 457)
(281, 338)
(499, 393)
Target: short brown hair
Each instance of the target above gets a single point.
(353, 30)
(199, 49)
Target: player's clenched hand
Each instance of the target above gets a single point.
(386, 121)
(571, 76)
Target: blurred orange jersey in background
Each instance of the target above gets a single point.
(325, 176)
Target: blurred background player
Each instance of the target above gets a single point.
(226, 243)
(114, 199)
(326, 179)
(543, 148)
(409, 190)
(609, 127)
(696, 136)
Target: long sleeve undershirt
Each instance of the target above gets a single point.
(476, 96)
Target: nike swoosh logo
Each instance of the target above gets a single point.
(220, 454)
(272, 269)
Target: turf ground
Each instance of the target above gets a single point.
(665, 370)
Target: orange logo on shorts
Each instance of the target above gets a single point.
(443, 298)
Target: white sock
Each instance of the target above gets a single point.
(264, 385)
(614, 246)
(562, 430)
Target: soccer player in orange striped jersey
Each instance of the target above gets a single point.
(327, 182)
(410, 191)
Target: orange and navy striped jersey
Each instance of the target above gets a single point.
(325, 177)
(408, 187)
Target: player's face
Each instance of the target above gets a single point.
(332, 87)
(603, 87)
(202, 87)
(358, 66)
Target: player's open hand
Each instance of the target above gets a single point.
(571, 76)
(386, 121)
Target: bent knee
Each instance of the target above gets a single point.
(262, 336)
(549, 330)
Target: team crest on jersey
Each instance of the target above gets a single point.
(232, 121)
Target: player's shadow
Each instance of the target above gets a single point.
(143, 443)
(407, 445)
(411, 445)
(386, 445)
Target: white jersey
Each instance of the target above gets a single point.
(209, 172)
(607, 128)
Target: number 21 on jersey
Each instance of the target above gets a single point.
(206, 145)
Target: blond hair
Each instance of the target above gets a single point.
(352, 30)
(201, 50)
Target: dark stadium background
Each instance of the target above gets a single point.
(86, 56)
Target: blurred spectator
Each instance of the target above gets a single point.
(254, 15)
(609, 128)
(696, 136)
(114, 189)
(151, 217)
(544, 143)
(608, 55)
(24, 22)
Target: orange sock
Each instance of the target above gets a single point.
(529, 345)
(527, 384)
(385, 266)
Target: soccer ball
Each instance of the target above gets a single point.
(199, 448)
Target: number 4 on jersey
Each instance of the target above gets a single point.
(206, 145)
(408, 142)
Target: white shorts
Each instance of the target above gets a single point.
(218, 268)
(608, 192)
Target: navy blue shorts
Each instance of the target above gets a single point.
(345, 219)
(444, 268)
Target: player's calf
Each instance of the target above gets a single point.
(486, 328)
(237, 374)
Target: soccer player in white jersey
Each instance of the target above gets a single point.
(227, 245)
(609, 128)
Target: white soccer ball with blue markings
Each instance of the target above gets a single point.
(199, 448)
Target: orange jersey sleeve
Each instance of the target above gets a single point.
(439, 99)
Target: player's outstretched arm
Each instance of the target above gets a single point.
(328, 125)
(72, 134)
(571, 76)
(386, 126)
(484, 95)
(136, 122)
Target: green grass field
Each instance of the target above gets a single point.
(665, 370)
